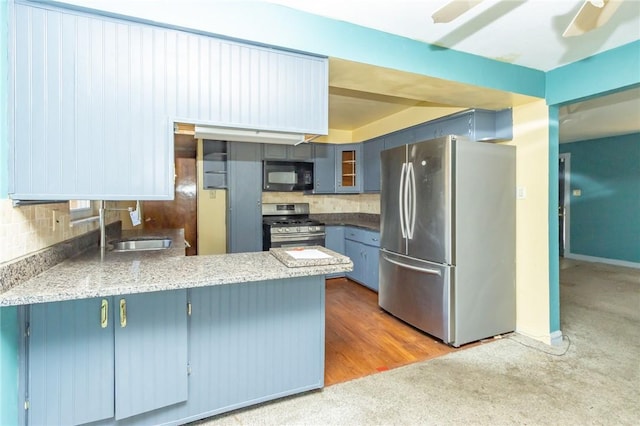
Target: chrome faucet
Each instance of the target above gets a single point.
(103, 237)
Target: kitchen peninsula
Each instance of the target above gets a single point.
(159, 338)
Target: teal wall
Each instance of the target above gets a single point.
(605, 219)
(8, 366)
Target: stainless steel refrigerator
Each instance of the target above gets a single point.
(447, 257)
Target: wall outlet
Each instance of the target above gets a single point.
(521, 192)
(577, 192)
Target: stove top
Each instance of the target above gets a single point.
(291, 218)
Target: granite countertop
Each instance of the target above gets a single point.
(87, 275)
(308, 256)
(361, 220)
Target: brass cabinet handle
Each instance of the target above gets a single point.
(104, 313)
(123, 313)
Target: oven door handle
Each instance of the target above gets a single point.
(297, 237)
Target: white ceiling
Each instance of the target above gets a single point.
(527, 33)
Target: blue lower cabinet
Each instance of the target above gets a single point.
(70, 358)
(106, 358)
(334, 240)
(362, 246)
(371, 262)
(150, 351)
(254, 342)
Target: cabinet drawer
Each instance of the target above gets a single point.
(364, 236)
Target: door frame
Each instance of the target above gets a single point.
(567, 202)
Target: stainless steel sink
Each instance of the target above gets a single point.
(142, 244)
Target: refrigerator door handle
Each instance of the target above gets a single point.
(411, 216)
(415, 268)
(401, 200)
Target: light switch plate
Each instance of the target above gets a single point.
(521, 192)
(577, 192)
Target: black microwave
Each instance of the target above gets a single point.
(287, 176)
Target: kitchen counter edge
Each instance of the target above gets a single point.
(87, 276)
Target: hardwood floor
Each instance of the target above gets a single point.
(362, 339)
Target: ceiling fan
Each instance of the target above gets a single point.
(592, 14)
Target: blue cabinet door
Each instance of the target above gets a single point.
(150, 351)
(324, 170)
(70, 363)
(371, 272)
(371, 164)
(334, 240)
(362, 246)
(253, 342)
(348, 168)
(274, 151)
(244, 225)
(302, 152)
(353, 250)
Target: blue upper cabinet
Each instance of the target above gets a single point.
(401, 137)
(475, 124)
(349, 167)
(303, 152)
(94, 100)
(371, 150)
(324, 168)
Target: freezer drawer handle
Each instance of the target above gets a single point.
(415, 268)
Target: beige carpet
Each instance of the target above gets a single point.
(593, 378)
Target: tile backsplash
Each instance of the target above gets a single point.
(28, 229)
(330, 203)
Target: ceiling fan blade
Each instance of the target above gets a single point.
(452, 10)
(590, 17)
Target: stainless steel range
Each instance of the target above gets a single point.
(288, 225)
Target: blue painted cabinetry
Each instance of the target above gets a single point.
(244, 223)
(401, 137)
(106, 358)
(371, 150)
(94, 100)
(362, 246)
(302, 152)
(334, 240)
(324, 159)
(70, 363)
(254, 342)
(348, 167)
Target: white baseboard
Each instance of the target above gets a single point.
(553, 339)
(602, 260)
